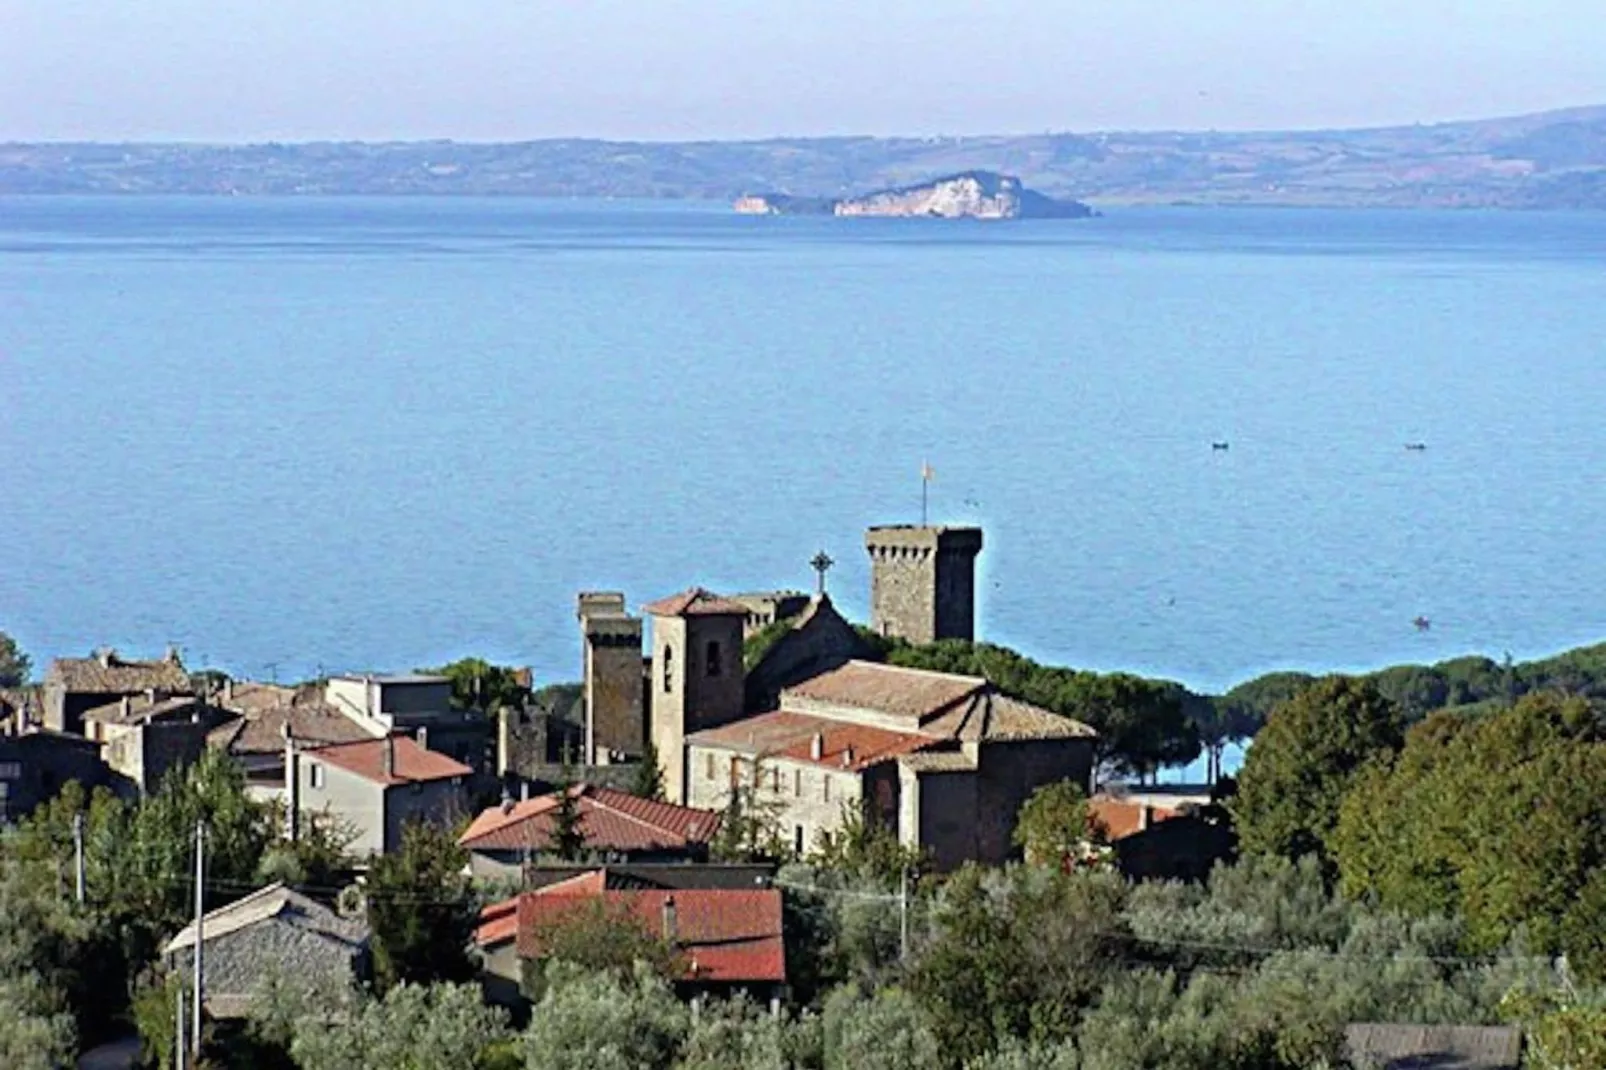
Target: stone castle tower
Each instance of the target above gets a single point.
(698, 680)
(923, 582)
(613, 698)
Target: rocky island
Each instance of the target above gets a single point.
(969, 195)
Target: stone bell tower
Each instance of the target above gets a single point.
(698, 680)
(923, 582)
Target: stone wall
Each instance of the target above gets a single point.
(810, 797)
(922, 582)
(1010, 773)
(690, 690)
(822, 640)
(615, 700)
(237, 962)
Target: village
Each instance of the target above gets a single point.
(731, 763)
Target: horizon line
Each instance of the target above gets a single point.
(1550, 113)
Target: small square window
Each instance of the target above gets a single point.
(315, 772)
(708, 767)
(713, 660)
(797, 840)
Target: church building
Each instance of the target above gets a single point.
(819, 731)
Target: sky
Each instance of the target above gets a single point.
(492, 70)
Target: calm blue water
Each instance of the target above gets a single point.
(381, 434)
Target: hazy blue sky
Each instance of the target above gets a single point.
(239, 70)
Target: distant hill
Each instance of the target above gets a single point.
(1549, 160)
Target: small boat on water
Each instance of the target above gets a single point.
(1221, 445)
(1416, 447)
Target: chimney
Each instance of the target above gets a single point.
(292, 785)
(171, 657)
(817, 747)
(671, 925)
(150, 695)
(127, 707)
(847, 758)
(228, 689)
(524, 790)
(423, 737)
(388, 757)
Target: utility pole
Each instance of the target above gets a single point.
(78, 855)
(903, 913)
(178, 1043)
(200, 936)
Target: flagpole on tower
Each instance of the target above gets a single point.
(925, 486)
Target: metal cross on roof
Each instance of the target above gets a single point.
(821, 564)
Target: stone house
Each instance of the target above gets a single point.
(76, 685)
(944, 761)
(256, 739)
(36, 764)
(148, 734)
(1164, 832)
(419, 704)
(617, 827)
(378, 787)
(273, 931)
(728, 941)
(21, 708)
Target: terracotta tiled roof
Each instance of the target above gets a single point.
(696, 603)
(139, 707)
(726, 936)
(790, 735)
(111, 675)
(247, 696)
(610, 820)
(888, 689)
(988, 715)
(313, 724)
(938, 761)
(412, 762)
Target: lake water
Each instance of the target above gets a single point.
(370, 434)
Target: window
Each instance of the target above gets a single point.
(797, 783)
(825, 786)
(708, 767)
(10, 770)
(669, 670)
(712, 658)
(316, 772)
(797, 839)
(775, 781)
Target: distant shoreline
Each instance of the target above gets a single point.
(1553, 160)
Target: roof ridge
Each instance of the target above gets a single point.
(979, 681)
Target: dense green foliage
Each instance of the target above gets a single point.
(479, 685)
(755, 646)
(421, 911)
(1142, 724)
(1501, 819)
(1304, 760)
(648, 781)
(750, 824)
(568, 840)
(1055, 823)
(596, 935)
(14, 664)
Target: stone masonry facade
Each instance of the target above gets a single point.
(923, 582)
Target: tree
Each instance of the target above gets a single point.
(648, 782)
(750, 826)
(421, 911)
(479, 685)
(1018, 954)
(568, 839)
(736, 1034)
(860, 848)
(36, 1033)
(600, 936)
(14, 664)
(596, 1021)
(419, 1027)
(1056, 825)
(888, 1030)
(1501, 819)
(1304, 760)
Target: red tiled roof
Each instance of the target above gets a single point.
(790, 735)
(696, 603)
(1122, 818)
(610, 820)
(312, 724)
(412, 762)
(725, 935)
